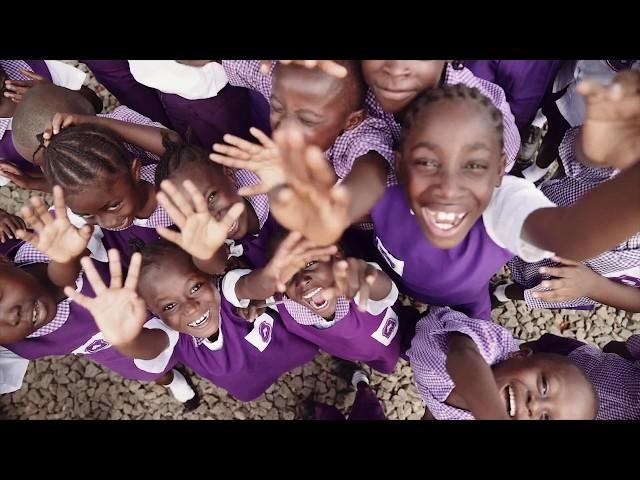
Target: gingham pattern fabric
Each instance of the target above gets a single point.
(305, 316)
(11, 67)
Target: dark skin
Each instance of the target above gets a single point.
(114, 202)
(9, 224)
(526, 386)
(395, 83)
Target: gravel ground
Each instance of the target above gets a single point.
(75, 388)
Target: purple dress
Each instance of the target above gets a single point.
(524, 82)
(457, 277)
(8, 152)
(252, 357)
(80, 334)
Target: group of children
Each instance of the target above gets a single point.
(237, 217)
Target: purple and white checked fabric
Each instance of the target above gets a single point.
(372, 134)
(159, 217)
(125, 114)
(11, 67)
(260, 203)
(616, 379)
(428, 355)
(466, 77)
(305, 316)
(566, 191)
(27, 255)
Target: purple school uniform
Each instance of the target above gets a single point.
(255, 247)
(77, 332)
(366, 406)
(621, 263)
(10, 247)
(377, 340)
(116, 77)
(616, 379)
(457, 277)
(8, 152)
(465, 77)
(428, 355)
(253, 355)
(524, 82)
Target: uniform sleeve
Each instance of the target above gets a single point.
(12, 370)
(159, 364)
(229, 287)
(65, 75)
(376, 307)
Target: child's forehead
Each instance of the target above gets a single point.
(312, 82)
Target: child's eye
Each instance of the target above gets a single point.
(115, 207)
(310, 264)
(426, 163)
(276, 108)
(307, 123)
(169, 306)
(87, 216)
(212, 197)
(545, 385)
(476, 166)
(196, 287)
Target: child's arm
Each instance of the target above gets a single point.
(9, 225)
(56, 237)
(473, 378)
(357, 279)
(200, 234)
(118, 311)
(575, 280)
(146, 137)
(365, 184)
(292, 255)
(28, 181)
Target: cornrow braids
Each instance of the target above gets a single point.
(458, 92)
(84, 154)
(178, 154)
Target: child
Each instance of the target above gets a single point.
(16, 78)
(9, 225)
(344, 305)
(472, 369)
(37, 318)
(393, 84)
(206, 334)
(614, 371)
(622, 263)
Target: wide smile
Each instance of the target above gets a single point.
(202, 321)
(510, 401)
(315, 300)
(443, 223)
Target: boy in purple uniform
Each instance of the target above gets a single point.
(17, 77)
(207, 334)
(39, 320)
(468, 369)
(614, 371)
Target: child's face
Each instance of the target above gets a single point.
(307, 285)
(542, 387)
(111, 204)
(311, 101)
(182, 296)
(219, 191)
(25, 305)
(449, 164)
(395, 83)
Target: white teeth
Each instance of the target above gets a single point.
(312, 293)
(512, 401)
(34, 316)
(445, 220)
(200, 321)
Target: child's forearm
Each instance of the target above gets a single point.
(618, 295)
(474, 379)
(604, 217)
(366, 183)
(148, 345)
(257, 285)
(381, 287)
(63, 274)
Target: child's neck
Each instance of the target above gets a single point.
(147, 199)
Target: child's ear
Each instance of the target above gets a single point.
(135, 169)
(355, 118)
(524, 352)
(503, 162)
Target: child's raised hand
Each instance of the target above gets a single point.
(9, 225)
(292, 255)
(59, 122)
(253, 311)
(15, 89)
(200, 235)
(264, 160)
(327, 66)
(56, 237)
(611, 130)
(117, 310)
(354, 275)
(573, 280)
(311, 203)
(28, 181)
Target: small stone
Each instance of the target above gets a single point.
(62, 393)
(289, 415)
(91, 371)
(239, 414)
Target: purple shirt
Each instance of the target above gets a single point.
(621, 264)
(253, 355)
(457, 277)
(428, 355)
(464, 76)
(616, 379)
(524, 82)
